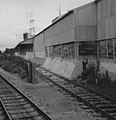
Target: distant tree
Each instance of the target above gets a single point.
(10, 51)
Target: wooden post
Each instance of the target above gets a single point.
(97, 61)
(113, 49)
(98, 55)
(32, 73)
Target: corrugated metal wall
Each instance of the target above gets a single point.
(90, 22)
(80, 25)
(64, 30)
(106, 19)
(86, 23)
(39, 49)
(61, 32)
(87, 15)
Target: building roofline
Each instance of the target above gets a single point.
(21, 43)
(63, 16)
(66, 14)
(83, 6)
(26, 40)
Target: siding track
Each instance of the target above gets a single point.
(99, 102)
(14, 105)
(3, 112)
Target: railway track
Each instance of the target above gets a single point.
(99, 102)
(3, 112)
(14, 105)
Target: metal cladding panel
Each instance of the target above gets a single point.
(104, 8)
(64, 37)
(39, 43)
(114, 25)
(111, 27)
(60, 32)
(99, 10)
(47, 42)
(109, 8)
(108, 28)
(87, 16)
(86, 33)
(113, 7)
(101, 29)
(47, 38)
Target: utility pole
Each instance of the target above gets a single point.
(32, 28)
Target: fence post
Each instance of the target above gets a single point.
(31, 72)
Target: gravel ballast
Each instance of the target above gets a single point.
(53, 102)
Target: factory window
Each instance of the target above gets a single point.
(56, 51)
(59, 49)
(87, 48)
(65, 51)
(71, 51)
(115, 47)
(103, 49)
(50, 51)
(110, 49)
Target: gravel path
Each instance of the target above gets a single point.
(52, 101)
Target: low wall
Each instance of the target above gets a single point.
(65, 68)
(72, 69)
(110, 67)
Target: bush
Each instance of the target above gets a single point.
(90, 73)
(13, 64)
(103, 79)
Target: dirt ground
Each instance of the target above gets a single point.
(49, 99)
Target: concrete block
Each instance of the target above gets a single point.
(46, 63)
(77, 69)
(52, 64)
(111, 68)
(49, 65)
(66, 63)
(57, 65)
(61, 68)
(69, 69)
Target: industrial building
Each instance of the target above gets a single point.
(86, 32)
(25, 48)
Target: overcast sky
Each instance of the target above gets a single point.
(15, 16)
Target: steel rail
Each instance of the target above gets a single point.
(83, 100)
(28, 99)
(8, 116)
(72, 82)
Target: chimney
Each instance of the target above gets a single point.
(25, 36)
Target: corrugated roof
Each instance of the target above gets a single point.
(26, 42)
(29, 41)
